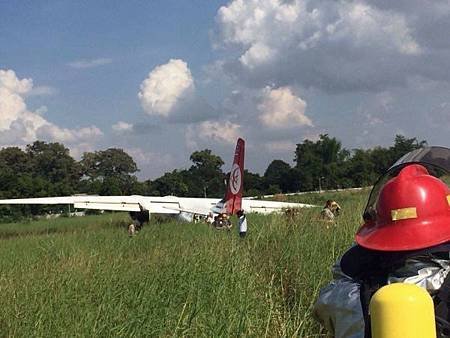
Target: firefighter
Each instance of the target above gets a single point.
(405, 238)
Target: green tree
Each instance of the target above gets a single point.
(360, 169)
(53, 163)
(381, 159)
(319, 161)
(253, 184)
(278, 174)
(108, 172)
(205, 176)
(403, 145)
(15, 159)
(43, 169)
(14, 164)
(308, 164)
(172, 183)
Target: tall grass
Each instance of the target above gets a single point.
(86, 277)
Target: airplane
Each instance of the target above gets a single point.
(183, 208)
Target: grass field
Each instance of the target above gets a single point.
(86, 277)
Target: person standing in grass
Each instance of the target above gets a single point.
(210, 218)
(242, 223)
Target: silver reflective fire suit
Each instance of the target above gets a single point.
(339, 308)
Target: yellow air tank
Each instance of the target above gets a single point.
(402, 310)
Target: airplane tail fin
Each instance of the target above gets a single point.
(235, 187)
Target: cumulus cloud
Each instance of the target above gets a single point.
(223, 132)
(19, 125)
(9, 81)
(158, 162)
(89, 63)
(280, 146)
(332, 45)
(122, 126)
(42, 91)
(49, 131)
(280, 108)
(165, 87)
(256, 55)
(274, 24)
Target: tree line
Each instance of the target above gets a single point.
(47, 169)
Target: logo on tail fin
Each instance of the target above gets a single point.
(233, 196)
(235, 179)
(232, 202)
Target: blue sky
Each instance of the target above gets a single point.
(164, 78)
(135, 36)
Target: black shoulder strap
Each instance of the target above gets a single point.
(371, 269)
(358, 261)
(442, 309)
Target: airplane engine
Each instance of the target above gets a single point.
(185, 217)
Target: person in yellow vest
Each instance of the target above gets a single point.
(405, 238)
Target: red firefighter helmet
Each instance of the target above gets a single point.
(412, 212)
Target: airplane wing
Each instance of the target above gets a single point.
(117, 203)
(189, 211)
(191, 205)
(153, 204)
(122, 203)
(230, 204)
(267, 207)
(203, 206)
(157, 205)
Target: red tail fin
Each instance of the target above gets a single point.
(233, 196)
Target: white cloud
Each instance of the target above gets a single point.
(280, 108)
(50, 131)
(148, 158)
(280, 146)
(12, 104)
(367, 25)
(220, 131)
(42, 91)
(19, 125)
(165, 86)
(122, 126)
(224, 132)
(148, 161)
(256, 55)
(89, 63)
(77, 151)
(9, 81)
(276, 25)
(333, 45)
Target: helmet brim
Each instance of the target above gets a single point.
(403, 235)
